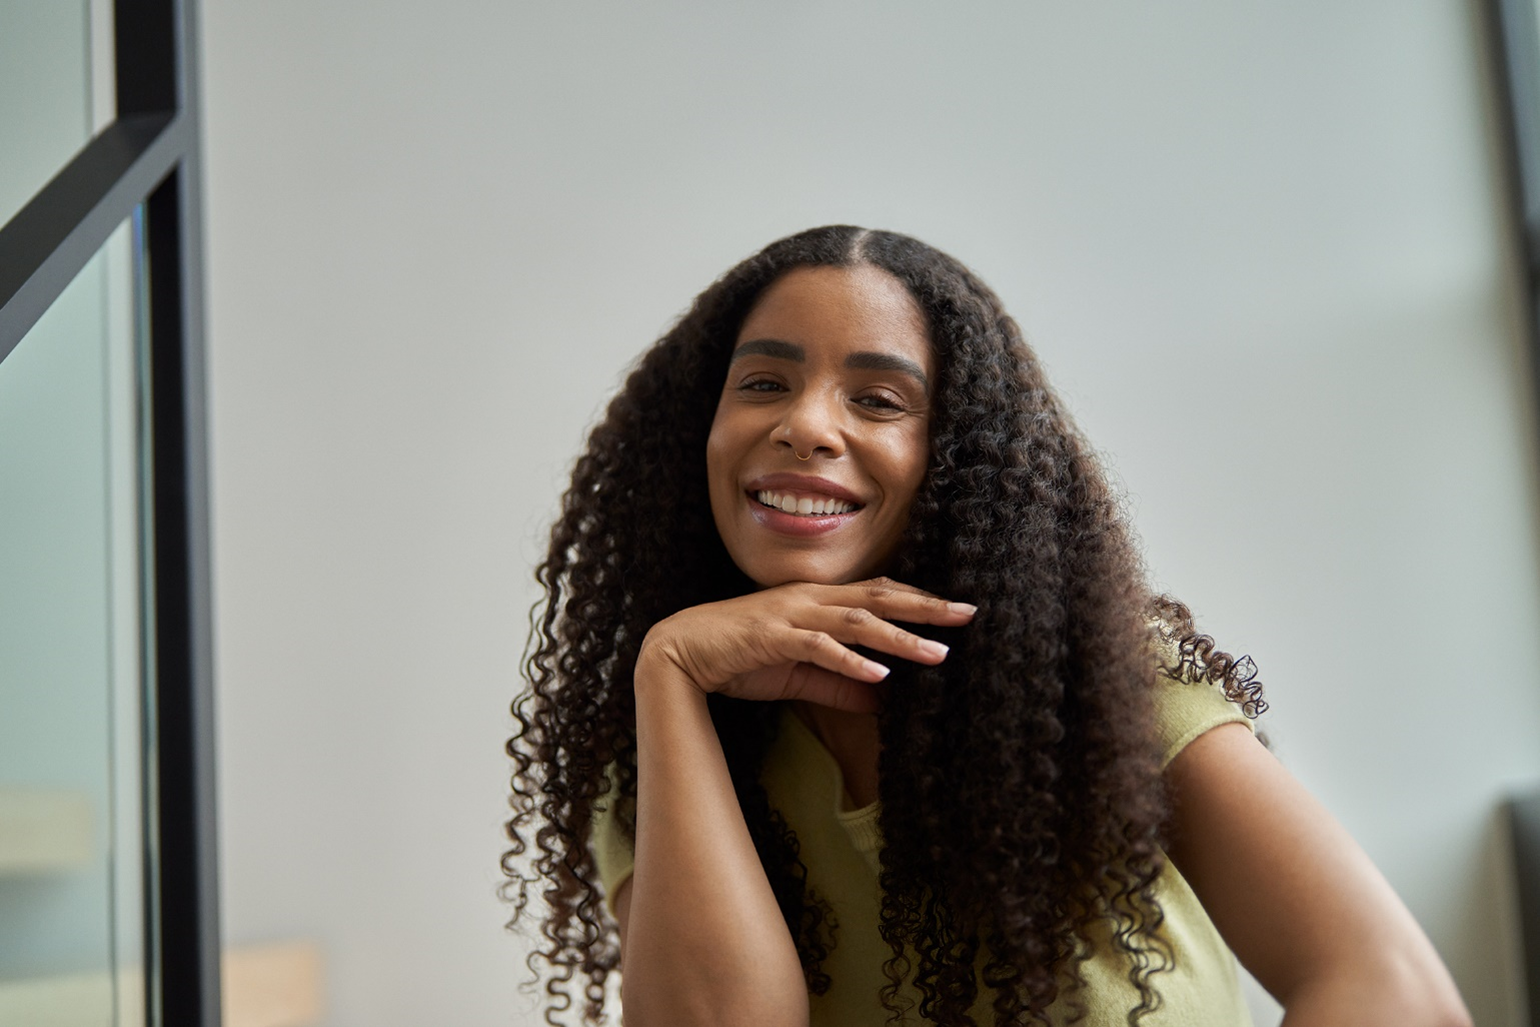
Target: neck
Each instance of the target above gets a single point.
(852, 739)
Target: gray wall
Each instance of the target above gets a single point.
(1264, 251)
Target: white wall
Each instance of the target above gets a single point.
(1264, 250)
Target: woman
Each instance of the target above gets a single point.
(850, 703)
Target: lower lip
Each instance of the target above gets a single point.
(796, 524)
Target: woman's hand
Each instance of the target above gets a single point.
(702, 937)
(792, 641)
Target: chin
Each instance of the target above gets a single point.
(770, 573)
(767, 579)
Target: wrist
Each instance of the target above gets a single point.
(658, 669)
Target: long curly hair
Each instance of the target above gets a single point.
(1021, 791)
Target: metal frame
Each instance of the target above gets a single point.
(1515, 36)
(150, 155)
(1524, 824)
(1514, 32)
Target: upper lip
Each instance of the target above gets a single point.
(785, 481)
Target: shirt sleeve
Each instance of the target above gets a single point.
(1185, 709)
(614, 851)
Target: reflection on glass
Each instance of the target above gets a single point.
(71, 689)
(55, 78)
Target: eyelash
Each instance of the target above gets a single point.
(753, 385)
(770, 385)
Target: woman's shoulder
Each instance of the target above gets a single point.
(1186, 703)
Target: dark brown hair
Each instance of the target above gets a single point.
(1021, 791)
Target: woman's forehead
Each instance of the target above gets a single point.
(860, 306)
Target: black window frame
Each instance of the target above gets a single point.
(1514, 42)
(149, 155)
(1513, 37)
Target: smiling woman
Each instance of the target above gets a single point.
(834, 363)
(869, 715)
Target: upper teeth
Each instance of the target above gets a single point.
(803, 505)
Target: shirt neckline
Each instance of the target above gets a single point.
(860, 823)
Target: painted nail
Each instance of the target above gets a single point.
(873, 667)
(967, 608)
(933, 648)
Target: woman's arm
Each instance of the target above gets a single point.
(1296, 898)
(702, 938)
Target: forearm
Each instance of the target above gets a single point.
(1362, 962)
(705, 941)
(1386, 992)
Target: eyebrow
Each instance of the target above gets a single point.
(779, 350)
(771, 348)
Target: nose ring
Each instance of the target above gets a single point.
(785, 436)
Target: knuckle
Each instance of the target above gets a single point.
(858, 616)
(816, 641)
(881, 588)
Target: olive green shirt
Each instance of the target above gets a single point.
(840, 848)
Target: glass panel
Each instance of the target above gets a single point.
(72, 836)
(46, 78)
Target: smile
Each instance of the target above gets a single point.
(804, 505)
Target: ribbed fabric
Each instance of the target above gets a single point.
(861, 825)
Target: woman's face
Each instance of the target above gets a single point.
(822, 432)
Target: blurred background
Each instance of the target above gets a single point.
(1265, 251)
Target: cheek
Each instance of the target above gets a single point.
(721, 478)
(911, 467)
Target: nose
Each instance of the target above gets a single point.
(812, 424)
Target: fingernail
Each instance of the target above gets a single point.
(934, 648)
(965, 608)
(873, 667)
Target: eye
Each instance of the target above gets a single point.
(880, 401)
(763, 386)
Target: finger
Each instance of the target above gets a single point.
(856, 625)
(894, 600)
(814, 684)
(804, 681)
(810, 645)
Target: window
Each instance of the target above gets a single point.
(107, 856)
